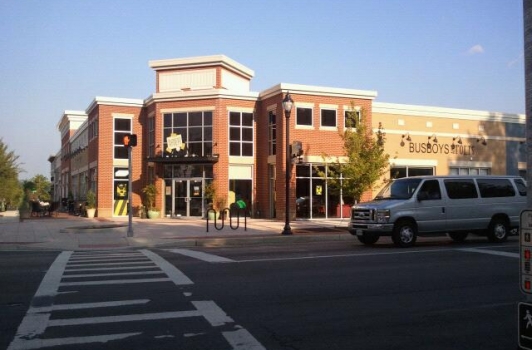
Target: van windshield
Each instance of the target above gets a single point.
(399, 189)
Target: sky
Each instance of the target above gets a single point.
(58, 55)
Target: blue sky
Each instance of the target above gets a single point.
(57, 55)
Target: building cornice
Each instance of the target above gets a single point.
(201, 95)
(317, 91)
(114, 101)
(202, 61)
(448, 113)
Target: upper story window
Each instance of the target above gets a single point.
(122, 126)
(93, 129)
(272, 136)
(304, 116)
(151, 136)
(241, 134)
(195, 129)
(328, 118)
(351, 118)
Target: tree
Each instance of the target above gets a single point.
(364, 161)
(10, 191)
(42, 187)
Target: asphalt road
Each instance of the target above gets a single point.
(338, 295)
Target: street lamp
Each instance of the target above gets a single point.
(287, 107)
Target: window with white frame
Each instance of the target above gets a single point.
(122, 126)
(469, 171)
(351, 118)
(241, 134)
(328, 118)
(272, 136)
(304, 116)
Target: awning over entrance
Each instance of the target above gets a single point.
(184, 160)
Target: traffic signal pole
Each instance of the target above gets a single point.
(129, 195)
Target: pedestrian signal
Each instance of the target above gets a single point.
(129, 140)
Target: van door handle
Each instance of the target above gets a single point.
(443, 210)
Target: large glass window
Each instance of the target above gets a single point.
(122, 126)
(304, 116)
(241, 134)
(195, 130)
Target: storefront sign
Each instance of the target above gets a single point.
(440, 148)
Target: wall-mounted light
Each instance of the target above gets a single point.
(405, 137)
(482, 140)
(433, 137)
(458, 140)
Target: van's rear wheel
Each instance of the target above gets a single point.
(404, 233)
(368, 238)
(498, 230)
(458, 236)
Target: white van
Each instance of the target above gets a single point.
(457, 205)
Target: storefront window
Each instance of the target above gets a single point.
(407, 171)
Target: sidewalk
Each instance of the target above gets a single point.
(67, 232)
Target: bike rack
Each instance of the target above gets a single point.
(227, 212)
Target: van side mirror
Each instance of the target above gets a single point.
(422, 196)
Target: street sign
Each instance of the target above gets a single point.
(525, 325)
(525, 248)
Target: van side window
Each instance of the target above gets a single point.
(460, 188)
(521, 187)
(431, 189)
(490, 188)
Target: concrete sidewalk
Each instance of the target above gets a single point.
(67, 232)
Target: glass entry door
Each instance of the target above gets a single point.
(188, 197)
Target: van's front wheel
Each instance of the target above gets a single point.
(404, 233)
(498, 230)
(368, 238)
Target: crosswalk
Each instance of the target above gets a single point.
(72, 304)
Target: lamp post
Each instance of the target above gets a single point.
(287, 107)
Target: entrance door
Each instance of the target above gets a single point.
(188, 197)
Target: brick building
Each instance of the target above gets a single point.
(203, 128)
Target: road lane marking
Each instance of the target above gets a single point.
(241, 339)
(150, 266)
(492, 252)
(81, 306)
(52, 278)
(114, 274)
(202, 256)
(108, 282)
(178, 277)
(111, 259)
(123, 318)
(212, 312)
(379, 253)
(46, 343)
(111, 264)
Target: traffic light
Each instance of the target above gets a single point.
(129, 140)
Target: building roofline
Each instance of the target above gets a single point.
(444, 112)
(201, 95)
(317, 90)
(202, 61)
(114, 101)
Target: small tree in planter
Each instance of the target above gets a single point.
(150, 193)
(91, 204)
(24, 208)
